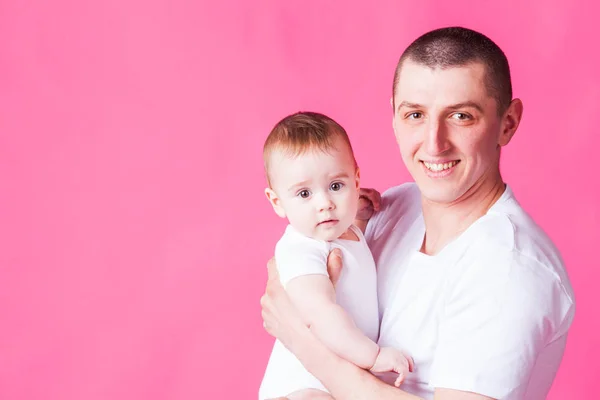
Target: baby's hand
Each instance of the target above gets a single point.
(390, 359)
(368, 203)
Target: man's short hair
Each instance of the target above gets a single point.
(456, 47)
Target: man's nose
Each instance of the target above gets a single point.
(436, 138)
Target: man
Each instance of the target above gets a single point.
(468, 284)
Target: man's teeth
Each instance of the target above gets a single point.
(439, 167)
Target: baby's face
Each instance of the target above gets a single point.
(317, 191)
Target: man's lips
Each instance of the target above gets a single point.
(441, 165)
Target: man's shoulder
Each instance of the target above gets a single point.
(408, 190)
(508, 228)
(511, 251)
(400, 206)
(401, 200)
(503, 236)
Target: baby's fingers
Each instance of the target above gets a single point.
(399, 379)
(411, 363)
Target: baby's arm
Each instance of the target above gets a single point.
(303, 271)
(314, 296)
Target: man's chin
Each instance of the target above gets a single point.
(439, 194)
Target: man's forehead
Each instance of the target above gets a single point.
(410, 66)
(419, 83)
(414, 74)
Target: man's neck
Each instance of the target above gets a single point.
(445, 222)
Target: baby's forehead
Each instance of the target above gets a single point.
(287, 167)
(337, 149)
(316, 160)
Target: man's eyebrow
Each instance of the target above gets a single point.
(408, 104)
(466, 104)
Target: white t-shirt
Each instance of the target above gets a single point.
(488, 314)
(356, 292)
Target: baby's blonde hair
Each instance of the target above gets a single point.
(301, 132)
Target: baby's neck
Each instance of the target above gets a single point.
(349, 235)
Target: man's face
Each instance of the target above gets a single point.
(448, 129)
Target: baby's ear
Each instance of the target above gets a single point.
(275, 202)
(357, 178)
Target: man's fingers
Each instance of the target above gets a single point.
(272, 269)
(272, 288)
(334, 265)
(263, 301)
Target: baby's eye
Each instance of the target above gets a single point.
(335, 186)
(304, 194)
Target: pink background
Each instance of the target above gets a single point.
(134, 233)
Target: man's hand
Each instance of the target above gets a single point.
(334, 266)
(390, 359)
(280, 317)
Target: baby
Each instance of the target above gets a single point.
(313, 181)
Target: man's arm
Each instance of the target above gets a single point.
(451, 394)
(343, 379)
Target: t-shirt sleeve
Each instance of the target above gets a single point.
(397, 202)
(298, 256)
(500, 313)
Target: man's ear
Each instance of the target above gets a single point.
(510, 122)
(393, 118)
(275, 202)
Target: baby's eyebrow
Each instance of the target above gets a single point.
(298, 185)
(340, 175)
(307, 182)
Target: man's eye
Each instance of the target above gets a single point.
(414, 115)
(335, 186)
(461, 116)
(304, 194)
